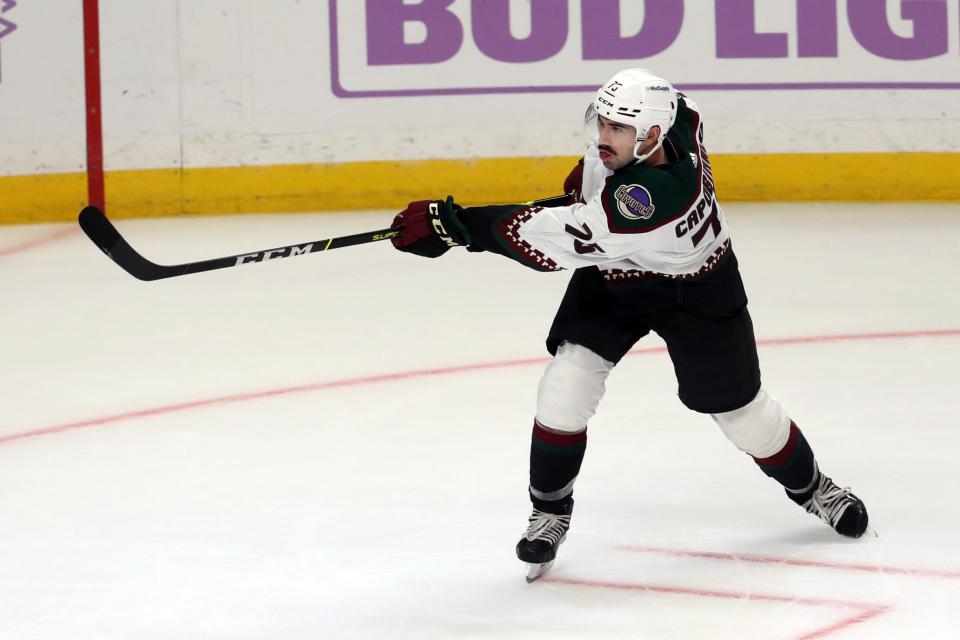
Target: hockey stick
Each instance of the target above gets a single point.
(103, 234)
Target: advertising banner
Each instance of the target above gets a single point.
(389, 48)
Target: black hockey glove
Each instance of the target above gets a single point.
(429, 228)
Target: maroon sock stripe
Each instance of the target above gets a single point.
(556, 438)
(794, 466)
(783, 456)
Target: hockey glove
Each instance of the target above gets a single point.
(574, 183)
(429, 228)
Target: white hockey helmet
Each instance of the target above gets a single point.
(642, 100)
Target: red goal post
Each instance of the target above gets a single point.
(94, 119)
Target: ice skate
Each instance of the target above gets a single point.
(836, 506)
(545, 532)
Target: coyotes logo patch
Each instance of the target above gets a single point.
(634, 202)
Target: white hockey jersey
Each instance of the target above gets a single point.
(635, 222)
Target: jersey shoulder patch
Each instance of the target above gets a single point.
(639, 199)
(634, 202)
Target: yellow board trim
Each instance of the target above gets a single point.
(390, 185)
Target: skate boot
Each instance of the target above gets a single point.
(545, 532)
(838, 507)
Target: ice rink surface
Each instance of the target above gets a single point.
(335, 446)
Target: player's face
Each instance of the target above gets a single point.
(617, 143)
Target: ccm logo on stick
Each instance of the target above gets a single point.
(286, 252)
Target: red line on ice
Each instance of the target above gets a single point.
(421, 373)
(761, 559)
(36, 242)
(864, 611)
(840, 625)
(259, 395)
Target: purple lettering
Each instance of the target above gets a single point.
(737, 36)
(817, 28)
(385, 40)
(601, 29)
(6, 27)
(868, 22)
(548, 34)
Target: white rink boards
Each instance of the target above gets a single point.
(335, 446)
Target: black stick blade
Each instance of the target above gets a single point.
(103, 234)
(100, 231)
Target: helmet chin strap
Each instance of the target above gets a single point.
(653, 150)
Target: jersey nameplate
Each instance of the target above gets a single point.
(699, 211)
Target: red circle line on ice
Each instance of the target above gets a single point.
(422, 373)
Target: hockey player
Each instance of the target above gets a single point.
(650, 250)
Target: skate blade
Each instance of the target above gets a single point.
(535, 571)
